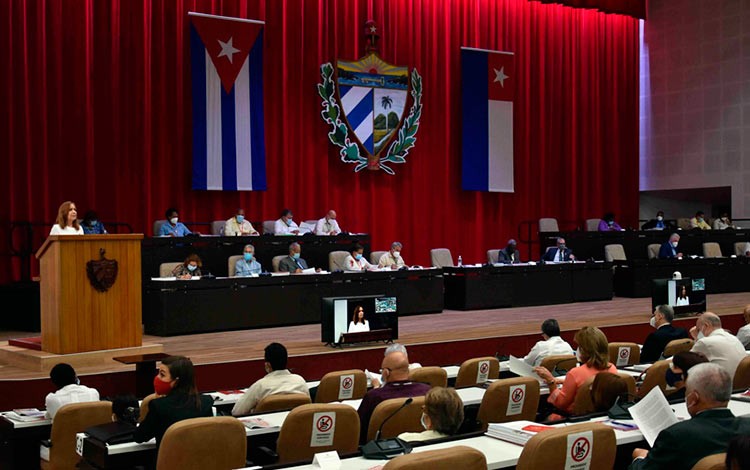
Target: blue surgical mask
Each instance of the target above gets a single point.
(191, 267)
(610, 222)
(248, 256)
(561, 246)
(358, 256)
(672, 377)
(289, 221)
(93, 223)
(240, 218)
(295, 256)
(421, 420)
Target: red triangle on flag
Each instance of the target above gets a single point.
(228, 41)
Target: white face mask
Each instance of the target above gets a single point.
(578, 355)
(674, 244)
(421, 420)
(173, 221)
(397, 254)
(653, 322)
(659, 218)
(701, 335)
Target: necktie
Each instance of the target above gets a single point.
(561, 254)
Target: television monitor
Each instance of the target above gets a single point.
(686, 296)
(381, 312)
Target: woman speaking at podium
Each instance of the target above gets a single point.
(359, 324)
(683, 298)
(67, 221)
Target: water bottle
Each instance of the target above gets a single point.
(460, 263)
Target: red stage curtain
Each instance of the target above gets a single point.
(635, 8)
(97, 103)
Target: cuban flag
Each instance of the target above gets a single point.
(488, 84)
(226, 57)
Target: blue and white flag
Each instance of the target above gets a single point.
(226, 57)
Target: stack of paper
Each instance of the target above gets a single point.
(25, 415)
(517, 432)
(255, 423)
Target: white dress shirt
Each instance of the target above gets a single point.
(72, 393)
(56, 230)
(361, 265)
(421, 436)
(277, 381)
(327, 227)
(358, 327)
(743, 334)
(723, 348)
(555, 346)
(281, 228)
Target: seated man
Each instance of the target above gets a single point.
(69, 389)
(237, 225)
(743, 334)
(277, 380)
(293, 263)
(561, 253)
(285, 225)
(699, 221)
(723, 222)
(552, 345)
(658, 223)
(247, 265)
(327, 225)
(92, 225)
(356, 260)
(669, 250)
(608, 224)
(173, 227)
(397, 385)
(717, 344)
(393, 258)
(653, 347)
(682, 445)
(509, 254)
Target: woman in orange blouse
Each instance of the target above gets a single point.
(593, 354)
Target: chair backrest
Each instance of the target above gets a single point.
(275, 262)
(551, 448)
(559, 362)
(157, 226)
(232, 264)
(375, 256)
(678, 345)
(614, 252)
(592, 225)
(337, 260)
(655, 377)
(492, 256)
(268, 226)
(683, 223)
(441, 257)
(295, 438)
(583, 403)
(217, 227)
(739, 248)
(624, 354)
(165, 269)
(742, 374)
(342, 385)
(406, 420)
(653, 250)
(69, 420)
(463, 457)
(478, 370)
(509, 400)
(712, 250)
(144, 407)
(629, 381)
(203, 443)
(548, 224)
(432, 375)
(281, 401)
(711, 462)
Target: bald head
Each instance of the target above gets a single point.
(331, 215)
(395, 367)
(709, 321)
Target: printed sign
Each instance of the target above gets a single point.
(483, 371)
(623, 356)
(79, 443)
(516, 399)
(346, 387)
(327, 460)
(580, 446)
(323, 427)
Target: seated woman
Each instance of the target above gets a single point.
(189, 268)
(92, 225)
(358, 323)
(683, 298)
(606, 389)
(67, 220)
(442, 415)
(608, 224)
(593, 354)
(677, 373)
(356, 261)
(178, 399)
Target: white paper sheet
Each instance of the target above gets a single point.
(653, 414)
(521, 368)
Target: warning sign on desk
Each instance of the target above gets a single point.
(623, 356)
(483, 371)
(323, 427)
(346, 386)
(516, 399)
(580, 447)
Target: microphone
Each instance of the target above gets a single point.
(404, 405)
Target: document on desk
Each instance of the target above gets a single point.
(653, 414)
(521, 368)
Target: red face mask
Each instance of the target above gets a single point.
(161, 387)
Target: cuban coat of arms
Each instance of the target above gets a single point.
(365, 102)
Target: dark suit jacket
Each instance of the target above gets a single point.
(504, 256)
(651, 224)
(288, 265)
(655, 343)
(164, 412)
(550, 254)
(681, 445)
(665, 252)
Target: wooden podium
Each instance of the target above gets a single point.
(76, 316)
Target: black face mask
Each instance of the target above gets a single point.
(672, 377)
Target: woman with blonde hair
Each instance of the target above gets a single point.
(67, 220)
(593, 355)
(442, 415)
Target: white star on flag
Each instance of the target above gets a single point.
(500, 76)
(373, 29)
(227, 49)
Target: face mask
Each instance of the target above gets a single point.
(700, 219)
(421, 420)
(653, 322)
(173, 221)
(397, 254)
(78, 381)
(672, 377)
(248, 256)
(289, 221)
(295, 256)
(268, 369)
(674, 244)
(610, 222)
(161, 387)
(659, 218)
(240, 218)
(358, 257)
(578, 355)
(561, 246)
(701, 335)
(93, 223)
(191, 267)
